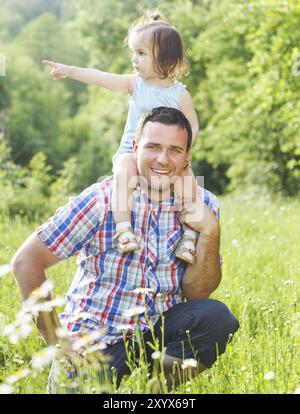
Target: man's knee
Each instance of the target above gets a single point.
(219, 325)
(221, 319)
(216, 317)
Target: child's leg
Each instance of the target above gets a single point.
(125, 173)
(186, 191)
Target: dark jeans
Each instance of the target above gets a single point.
(209, 323)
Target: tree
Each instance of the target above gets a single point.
(34, 112)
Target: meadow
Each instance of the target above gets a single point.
(261, 273)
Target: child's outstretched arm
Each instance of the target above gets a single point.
(187, 107)
(112, 81)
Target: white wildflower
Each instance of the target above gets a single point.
(156, 355)
(17, 376)
(47, 306)
(27, 305)
(134, 311)
(23, 317)
(18, 360)
(269, 376)
(235, 243)
(5, 269)
(5, 389)
(98, 347)
(189, 363)
(87, 339)
(25, 330)
(43, 357)
(44, 290)
(297, 390)
(273, 237)
(62, 332)
(288, 282)
(17, 330)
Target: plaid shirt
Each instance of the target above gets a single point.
(108, 283)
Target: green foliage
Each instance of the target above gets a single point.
(244, 80)
(249, 93)
(31, 192)
(104, 133)
(17, 13)
(63, 186)
(24, 191)
(104, 26)
(35, 109)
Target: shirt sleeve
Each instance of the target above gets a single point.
(213, 203)
(73, 226)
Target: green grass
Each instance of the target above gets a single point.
(261, 272)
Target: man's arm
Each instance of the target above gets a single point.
(204, 276)
(29, 264)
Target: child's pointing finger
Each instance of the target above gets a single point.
(48, 62)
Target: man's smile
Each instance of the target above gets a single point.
(161, 171)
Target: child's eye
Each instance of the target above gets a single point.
(141, 53)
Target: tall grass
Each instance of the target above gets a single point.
(261, 272)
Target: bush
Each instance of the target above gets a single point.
(32, 191)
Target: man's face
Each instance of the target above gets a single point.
(161, 154)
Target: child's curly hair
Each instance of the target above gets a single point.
(167, 47)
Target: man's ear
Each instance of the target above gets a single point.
(187, 160)
(135, 148)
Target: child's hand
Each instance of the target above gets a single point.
(58, 71)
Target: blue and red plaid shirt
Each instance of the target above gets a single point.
(108, 283)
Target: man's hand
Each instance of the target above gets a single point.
(199, 217)
(58, 71)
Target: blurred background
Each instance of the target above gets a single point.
(56, 138)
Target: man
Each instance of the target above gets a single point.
(107, 282)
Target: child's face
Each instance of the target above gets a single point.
(142, 59)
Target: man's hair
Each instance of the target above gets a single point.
(166, 116)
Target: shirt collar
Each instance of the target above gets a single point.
(141, 198)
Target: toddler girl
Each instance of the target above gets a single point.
(158, 61)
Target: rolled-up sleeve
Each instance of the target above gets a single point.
(74, 225)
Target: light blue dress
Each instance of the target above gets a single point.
(144, 98)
